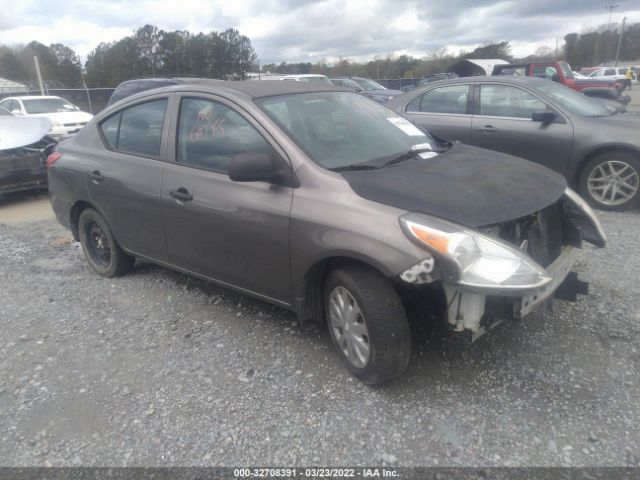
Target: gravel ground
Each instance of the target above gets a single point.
(157, 369)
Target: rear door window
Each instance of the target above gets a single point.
(137, 129)
(109, 128)
(449, 99)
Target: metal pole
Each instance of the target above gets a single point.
(620, 40)
(88, 95)
(35, 60)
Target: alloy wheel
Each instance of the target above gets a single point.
(613, 182)
(349, 327)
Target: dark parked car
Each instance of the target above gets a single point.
(324, 202)
(433, 77)
(367, 87)
(596, 148)
(24, 146)
(131, 87)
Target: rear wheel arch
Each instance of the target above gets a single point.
(76, 211)
(74, 217)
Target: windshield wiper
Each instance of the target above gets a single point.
(353, 167)
(409, 155)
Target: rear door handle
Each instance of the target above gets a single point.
(96, 176)
(488, 129)
(181, 194)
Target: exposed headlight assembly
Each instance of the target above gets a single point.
(472, 259)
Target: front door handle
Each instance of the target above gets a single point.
(488, 129)
(96, 176)
(181, 194)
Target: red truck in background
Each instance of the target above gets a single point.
(561, 72)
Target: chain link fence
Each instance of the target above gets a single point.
(93, 100)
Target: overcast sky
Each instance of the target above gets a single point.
(309, 30)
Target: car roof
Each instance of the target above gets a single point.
(491, 78)
(177, 80)
(303, 75)
(29, 97)
(255, 89)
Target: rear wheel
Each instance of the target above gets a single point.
(611, 181)
(99, 247)
(367, 322)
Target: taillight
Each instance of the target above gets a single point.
(53, 158)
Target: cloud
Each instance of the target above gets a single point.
(309, 30)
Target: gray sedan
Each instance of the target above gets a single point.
(597, 150)
(325, 202)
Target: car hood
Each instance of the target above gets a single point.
(21, 131)
(66, 117)
(467, 185)
(621, 122)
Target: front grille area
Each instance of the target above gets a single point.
(539, 234)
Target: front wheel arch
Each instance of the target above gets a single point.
(311, 307)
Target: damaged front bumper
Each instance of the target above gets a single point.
(475, 308)
(476, 312)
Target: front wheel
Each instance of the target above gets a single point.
(100, 248)
(367, 322)
(611, 181)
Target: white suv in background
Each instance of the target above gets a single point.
(613, 73)
(65, 116)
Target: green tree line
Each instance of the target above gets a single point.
(150, 51)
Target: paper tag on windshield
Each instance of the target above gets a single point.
(406, 126)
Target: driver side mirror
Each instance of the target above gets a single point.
(555, 78)
(543, 116)
(16, 111)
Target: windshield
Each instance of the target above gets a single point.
(340, 129)
(368, 84)
(5, 112)
(566, 69)
(48, 105)
(572, 101)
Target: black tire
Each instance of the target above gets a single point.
(100, 248)
(590, 171)
(389, 338)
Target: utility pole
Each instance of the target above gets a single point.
(611, 8)
(620, 41)
(86, 89)
(35, 60)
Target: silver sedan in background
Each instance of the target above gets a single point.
(595, 148)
